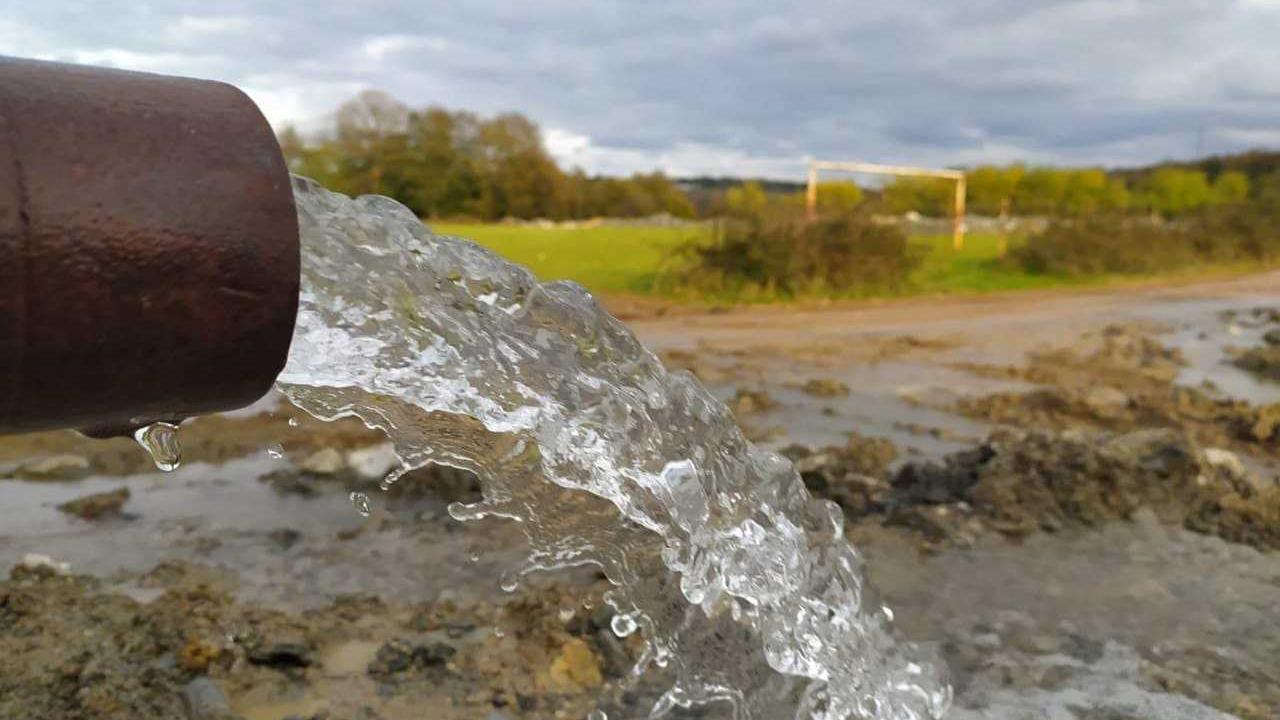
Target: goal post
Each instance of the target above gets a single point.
(958, 209)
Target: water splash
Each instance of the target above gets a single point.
(361, 503)
(160, 440)
(738, 580)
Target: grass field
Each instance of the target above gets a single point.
(633, 260)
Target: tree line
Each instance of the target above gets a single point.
(1070, 192)
(452, 163)
(446, 163)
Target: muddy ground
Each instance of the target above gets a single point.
(1074, 500)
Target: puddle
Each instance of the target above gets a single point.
(883, 401)
(286, 550)
(1203, 337)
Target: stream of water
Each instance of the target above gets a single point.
(742, 586)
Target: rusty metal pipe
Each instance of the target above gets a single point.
(149, 262)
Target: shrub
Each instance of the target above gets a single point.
(789, 256)
(1106, 244)
(1133, 245)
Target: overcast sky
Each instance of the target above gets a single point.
(742, 88)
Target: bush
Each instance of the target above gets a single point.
(789, 256)
(1115, 244)
(1105, 244)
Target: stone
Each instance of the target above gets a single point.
(37, 564)
(204, 700)
(1149, 524)
(434, 654)
(373, 462)
(1106, 401)
(393, 657)
(324, 462)
(576, 667)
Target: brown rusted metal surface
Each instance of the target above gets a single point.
(148, 248)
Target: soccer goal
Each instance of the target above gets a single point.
(817, 166)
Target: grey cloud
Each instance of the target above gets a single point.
(1094, 81)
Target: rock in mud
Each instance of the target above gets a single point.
(327, 461)
(373, 462)
(97, 506)
(825, 387)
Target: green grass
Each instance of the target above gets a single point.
(610, 259)
(977, 268)
(633, 260)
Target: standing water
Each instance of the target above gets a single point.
(742, 586)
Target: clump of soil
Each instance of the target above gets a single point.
(98, 505)
(751, 402)
(1020, 482)
(854, 476)
(1122, 380)
(825, 387)
(1263, 361)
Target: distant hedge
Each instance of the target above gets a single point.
(786, 256)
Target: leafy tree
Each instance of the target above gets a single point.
(989, 188)
(928, 196)
(747, 200)
(1172, 191)
(1231, 188)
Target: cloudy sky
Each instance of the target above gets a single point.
(744, 88)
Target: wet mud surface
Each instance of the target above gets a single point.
(1077, 506)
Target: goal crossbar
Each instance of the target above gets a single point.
(816, 166)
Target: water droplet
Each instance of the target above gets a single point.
(160, 440)
(497, 632)
(276, 451)
(597, 715)
(475, 557)
(361, 501)
(588, 603)
(888, 612)
(293, 422)
(623, 624)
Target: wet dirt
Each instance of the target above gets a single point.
(1071, 497)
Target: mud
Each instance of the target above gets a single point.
(70, 649)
